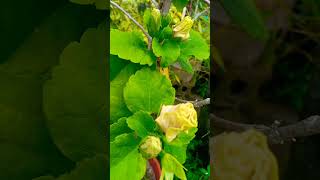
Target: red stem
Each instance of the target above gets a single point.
(154, 163)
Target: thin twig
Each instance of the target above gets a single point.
(200, 14)
(196, 103)
(135, 21)
(276, 135)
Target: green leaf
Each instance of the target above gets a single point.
(118, 128)
(126, 161)
(132, 167)
(118, 108)
(180, 4)
(178, 151)
(165, 33)
(178, 146)
(165, 20)
(151, 23)
(184, 138)
(246, 14)
(26, 146)
(168, 50)
(142, 123)
(75, 99)
(130, 46)
(100, 4)
(116, 65)
(195, 46)
(148, 90)
(123, 145)
(91, 168)
(171, 165)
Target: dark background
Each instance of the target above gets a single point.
(33, 34)
(279, 79)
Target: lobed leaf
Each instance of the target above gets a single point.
(116, 65)
(118, 107)
(147, 91)
(91, 168)
(142, 123)
(130, 46)
(171, 165)
(118, 128)
(195, 46)
(75, 99)
(126, 161)
(168, 50)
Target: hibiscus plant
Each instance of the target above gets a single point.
(148, 132)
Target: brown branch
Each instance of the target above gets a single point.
(135, 21)
(196, 103)
(276, 135)
(165, 7)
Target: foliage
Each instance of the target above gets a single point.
(75, 94)
(140, 90)
(198, 169)
(27, 148)
(134, 7)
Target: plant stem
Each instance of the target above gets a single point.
(135, 21)
(276, 135)
(200, 14)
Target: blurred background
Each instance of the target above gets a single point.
(33, 34)
(266, 68)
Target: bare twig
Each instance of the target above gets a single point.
(276, 135)
(165, 7)
(135, 21)
(196, 103)
(200, 13)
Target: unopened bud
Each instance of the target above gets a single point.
(151, 147)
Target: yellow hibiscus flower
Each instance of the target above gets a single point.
(174, 119)
(183, 28)
(243, 156)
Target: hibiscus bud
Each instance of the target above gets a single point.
(156, 15)
(151, 147)
(183, 28)
(174, 119)
(152, 19)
